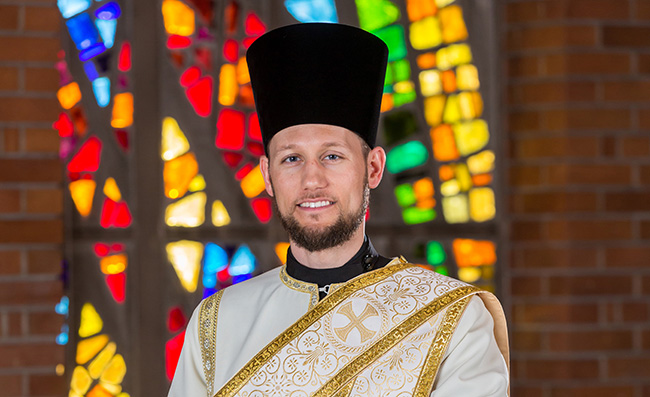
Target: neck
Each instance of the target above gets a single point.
(331, 257)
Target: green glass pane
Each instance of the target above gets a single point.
(414, 215)
(406, 156)
(401, 98)
(435, 253)
(405, 195)
(401, 70)
(398, 126)
(442, 270)
(393, 36)
(388, 89)
(389, 74)
(375, 14)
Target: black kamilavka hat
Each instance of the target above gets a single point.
(318, 73)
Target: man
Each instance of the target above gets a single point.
(338, 318)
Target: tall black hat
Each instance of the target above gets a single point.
(318, 73)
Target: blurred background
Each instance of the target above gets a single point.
(518, 141)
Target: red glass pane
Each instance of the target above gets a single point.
(115, 214)
(101, 249)
(262, 209)
(172, 354)
(248, 41)
(255, 148)
(254, 131)
(176, 319)
(205, 8)
(124, 61)
(190, 76)
(231, 50)
(64, 125)
(232, 159)
(203, 56)
(117, 247)
(122, 138)
(200, 96)
(88, 157)
(231, 14)
(254, 25)
(230, 130)
(79, 121)
(243, 171)
(117, 285)
(246, 95)
(223, 275)
(177, 58)
(175, 42)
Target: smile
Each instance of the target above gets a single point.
(315, 204)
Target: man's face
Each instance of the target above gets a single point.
(318, 177)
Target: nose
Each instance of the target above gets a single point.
(313, 176)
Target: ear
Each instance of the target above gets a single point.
(376, 163)
(264, 167)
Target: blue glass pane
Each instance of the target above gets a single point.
(208, 292)
(107, 31)
(71, 8)
(110, 10)
(243, 262)
(82, 31)
(312, 10)
(91, 71)
(62, 307)
(102, 90)
(240, 278)
(215, 258)
(92, 52)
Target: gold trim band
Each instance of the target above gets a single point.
(208, 337)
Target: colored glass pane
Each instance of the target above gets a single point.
(451, 114)
(69, 95)
(474, 252)
(312, 10)
(111, 190)
(174, 143)
(230, 130)
(433, 109)
(108, 11)
(450, 188)
(231, 50)
(453, 55)
(393, 36)
(122, 110)
(90, 70)
(116, 284)
(430, 83)
(122, 138)
(481, 179)
(90, 323)
(444, 145)
(173, 349)
(99, 363)
(215, 259)
(481, 204)
(256, 149)
(102, 91)
(414, 215)
(115, 214)
(418, 9)
(124, 59)
(190, 76)
(262, 209)
(220, 216)
(197, 183)
(242, 71)
(404, 96)
(406, 156)
(81, 380)
(253, 26)
(442, 270)
(281, 250)
(88, 348)
(107, 29)
(176, 319)
(82, 192)
(455, 209)
(375, 14)
(113, 264)
(462, 176)
(228, 86)
(425, 33)
(398, 126)
(185, 257)
(423, 189)
(469, 274)
(401, 70)
(63, 306)
(200, 96)
(70, 8)
(448, 81)
(176, 42)
(481, 162)
(187, 212)
(232, 160)
(435, 253)
(246, 95)
(453, 24)
(467, 78)
(91, 52)
(178, 18)
(405, 195)
(386, 102)
(114, 371)
(79, 121)
(445, 172)
(253, 183)
(82, 31)
(243, 262)
(471, 104)
(178, 173)
(64, 125)
(88, 157)
(471, 136)
(426, 60)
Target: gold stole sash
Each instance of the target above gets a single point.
(400, 316)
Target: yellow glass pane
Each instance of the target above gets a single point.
(103, 358)
(187, 212)
(115, 371)
(481, 204)
(281, 251)
(471, 136)
(185, 257)
(174, 143)
(443, 3)
(469, 274)
(178, 173)
(445, 172)
(471, 104)
(453, 24)
(444, 144)
(453, 55)
(450, 188)
(59, 369)
(448, 81)
(111, 190)
(404, 87)
(425, 33)
(433, 108)
(99, 391)
(122, 110)
(220, 215)
(123, 395)
(113, 264)
(430, 83)
(72, 393)
(69, 95)
(91, 323)
(474, 252)
(178, 18)
(88, 348)
(197, 183)
(455, 209)
(242, 71)
(481, 163)
(228, 86)
(418, 9)
(426, 60)
(467, 78)
(111, 388)
(386, 102)
(463, 177)
(451, 114)
(81, 380)
(253, 183)
(82, 192)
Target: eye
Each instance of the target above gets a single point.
(291, 159)
(332, 157)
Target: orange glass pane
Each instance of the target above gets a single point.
(482, 179)
(246, 95)
(69, 95)
(178, 174)
(111, 190)
(253, 183)
(281, 251)
(418, 9)
(88, 348)
(99, 391)
(82, 192)
(449, 81)
(386, 102)
(228, 86)
(242, 71)
(423, 188)
(426, 60)
(453, 24)
(433, 108)
(178, 18)
(445, 172)
(113, 264)
(474, 252)
(122, 110)
(444, 144)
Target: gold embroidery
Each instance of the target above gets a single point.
(431, 365)
(321, 308)
(300, 286)
(208, 337)
(356, 322)
(393, 337)
(346, 390)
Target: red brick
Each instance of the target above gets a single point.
(642, 9)
(627, 90)
(9, 262)
(556, 147)
(44, 49)
(609, 146)
(646, 340)
(521, 231)
(11, 140)
(579, 9)
(30, 170)
(644, 60)
(46, 201)
(629, 367)
(42, 19)
(644, 172)
(557, 202)
(526, 341)
(47, 385)
(8, 17)
(526, 286)
(30, 292)
(550, 37)
(524, 121)
(626, 36)
(11, 385)
(524, 66)
(628, 201)
(568, 341)
(589, 230)
(525, 175)
(41, 79)
(527, 11)
(29, 109)
(593, 391)
(635, 312)
(556, 258)
(31, 231)
(15, 324)
(645, 229)
(590, 174)
(636, 146)
(627, 256)
(30, 355)
(590, 285)
(587, 119)
(41, 140)
(528, 391)
(587, 63)
(561, 369)
(555, 313)
(8, 76)
(9, 201)
(45, 323)
(644, 119)
(552, 92)
(44, 262)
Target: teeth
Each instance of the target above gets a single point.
(315, 204)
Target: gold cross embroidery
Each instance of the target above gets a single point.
(356, 322)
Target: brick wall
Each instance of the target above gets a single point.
(31, 230)
(578, 116)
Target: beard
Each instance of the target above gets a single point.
(315, 239)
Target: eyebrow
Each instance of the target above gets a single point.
(291, 146)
